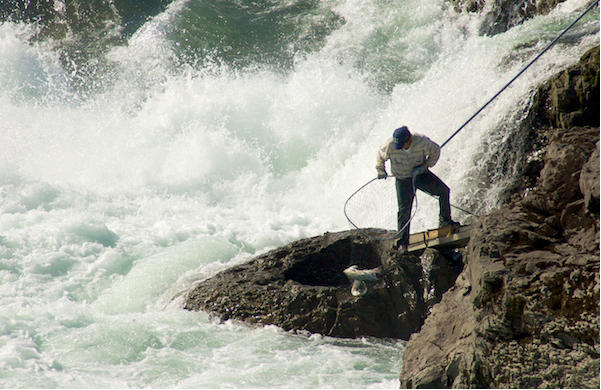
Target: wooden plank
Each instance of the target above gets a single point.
(448, 236)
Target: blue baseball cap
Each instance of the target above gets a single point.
(400, 137)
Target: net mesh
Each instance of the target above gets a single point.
(374, 205)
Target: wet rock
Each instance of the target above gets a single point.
(301, 286)
(436, 269)
(559, 180)
(501, 15)
(516, 165)
(570, 98)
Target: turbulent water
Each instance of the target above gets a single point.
(147, 147)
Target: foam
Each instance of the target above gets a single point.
(115, 203)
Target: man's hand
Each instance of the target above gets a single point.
(418, 170)
(382, 175)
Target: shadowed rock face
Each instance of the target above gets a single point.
(301, 286)
(571, 97)
(524, 313)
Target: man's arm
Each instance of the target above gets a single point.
(432, 151)
(381, 160)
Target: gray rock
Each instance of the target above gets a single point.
(501, 15)
(565, 155)
(301, 286)
(570, 98)
(530, 318)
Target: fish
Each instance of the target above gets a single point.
(365, 275)
(359, 288)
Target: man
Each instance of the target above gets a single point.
(410, 157)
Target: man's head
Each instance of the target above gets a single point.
(400, 137)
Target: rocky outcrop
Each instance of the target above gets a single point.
(525, 310)
(501, 15)
(301, 286)
(570, 98)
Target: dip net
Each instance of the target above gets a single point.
(373, 205)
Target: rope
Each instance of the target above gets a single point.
(539, 55)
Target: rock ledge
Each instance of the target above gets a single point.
(301, 286)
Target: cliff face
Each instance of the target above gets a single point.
(525, 310)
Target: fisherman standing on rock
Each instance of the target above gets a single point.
(410, 157)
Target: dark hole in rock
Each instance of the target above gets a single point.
(325, 266)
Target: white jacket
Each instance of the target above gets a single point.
(422, 151)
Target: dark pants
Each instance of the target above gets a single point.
(427, 182)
